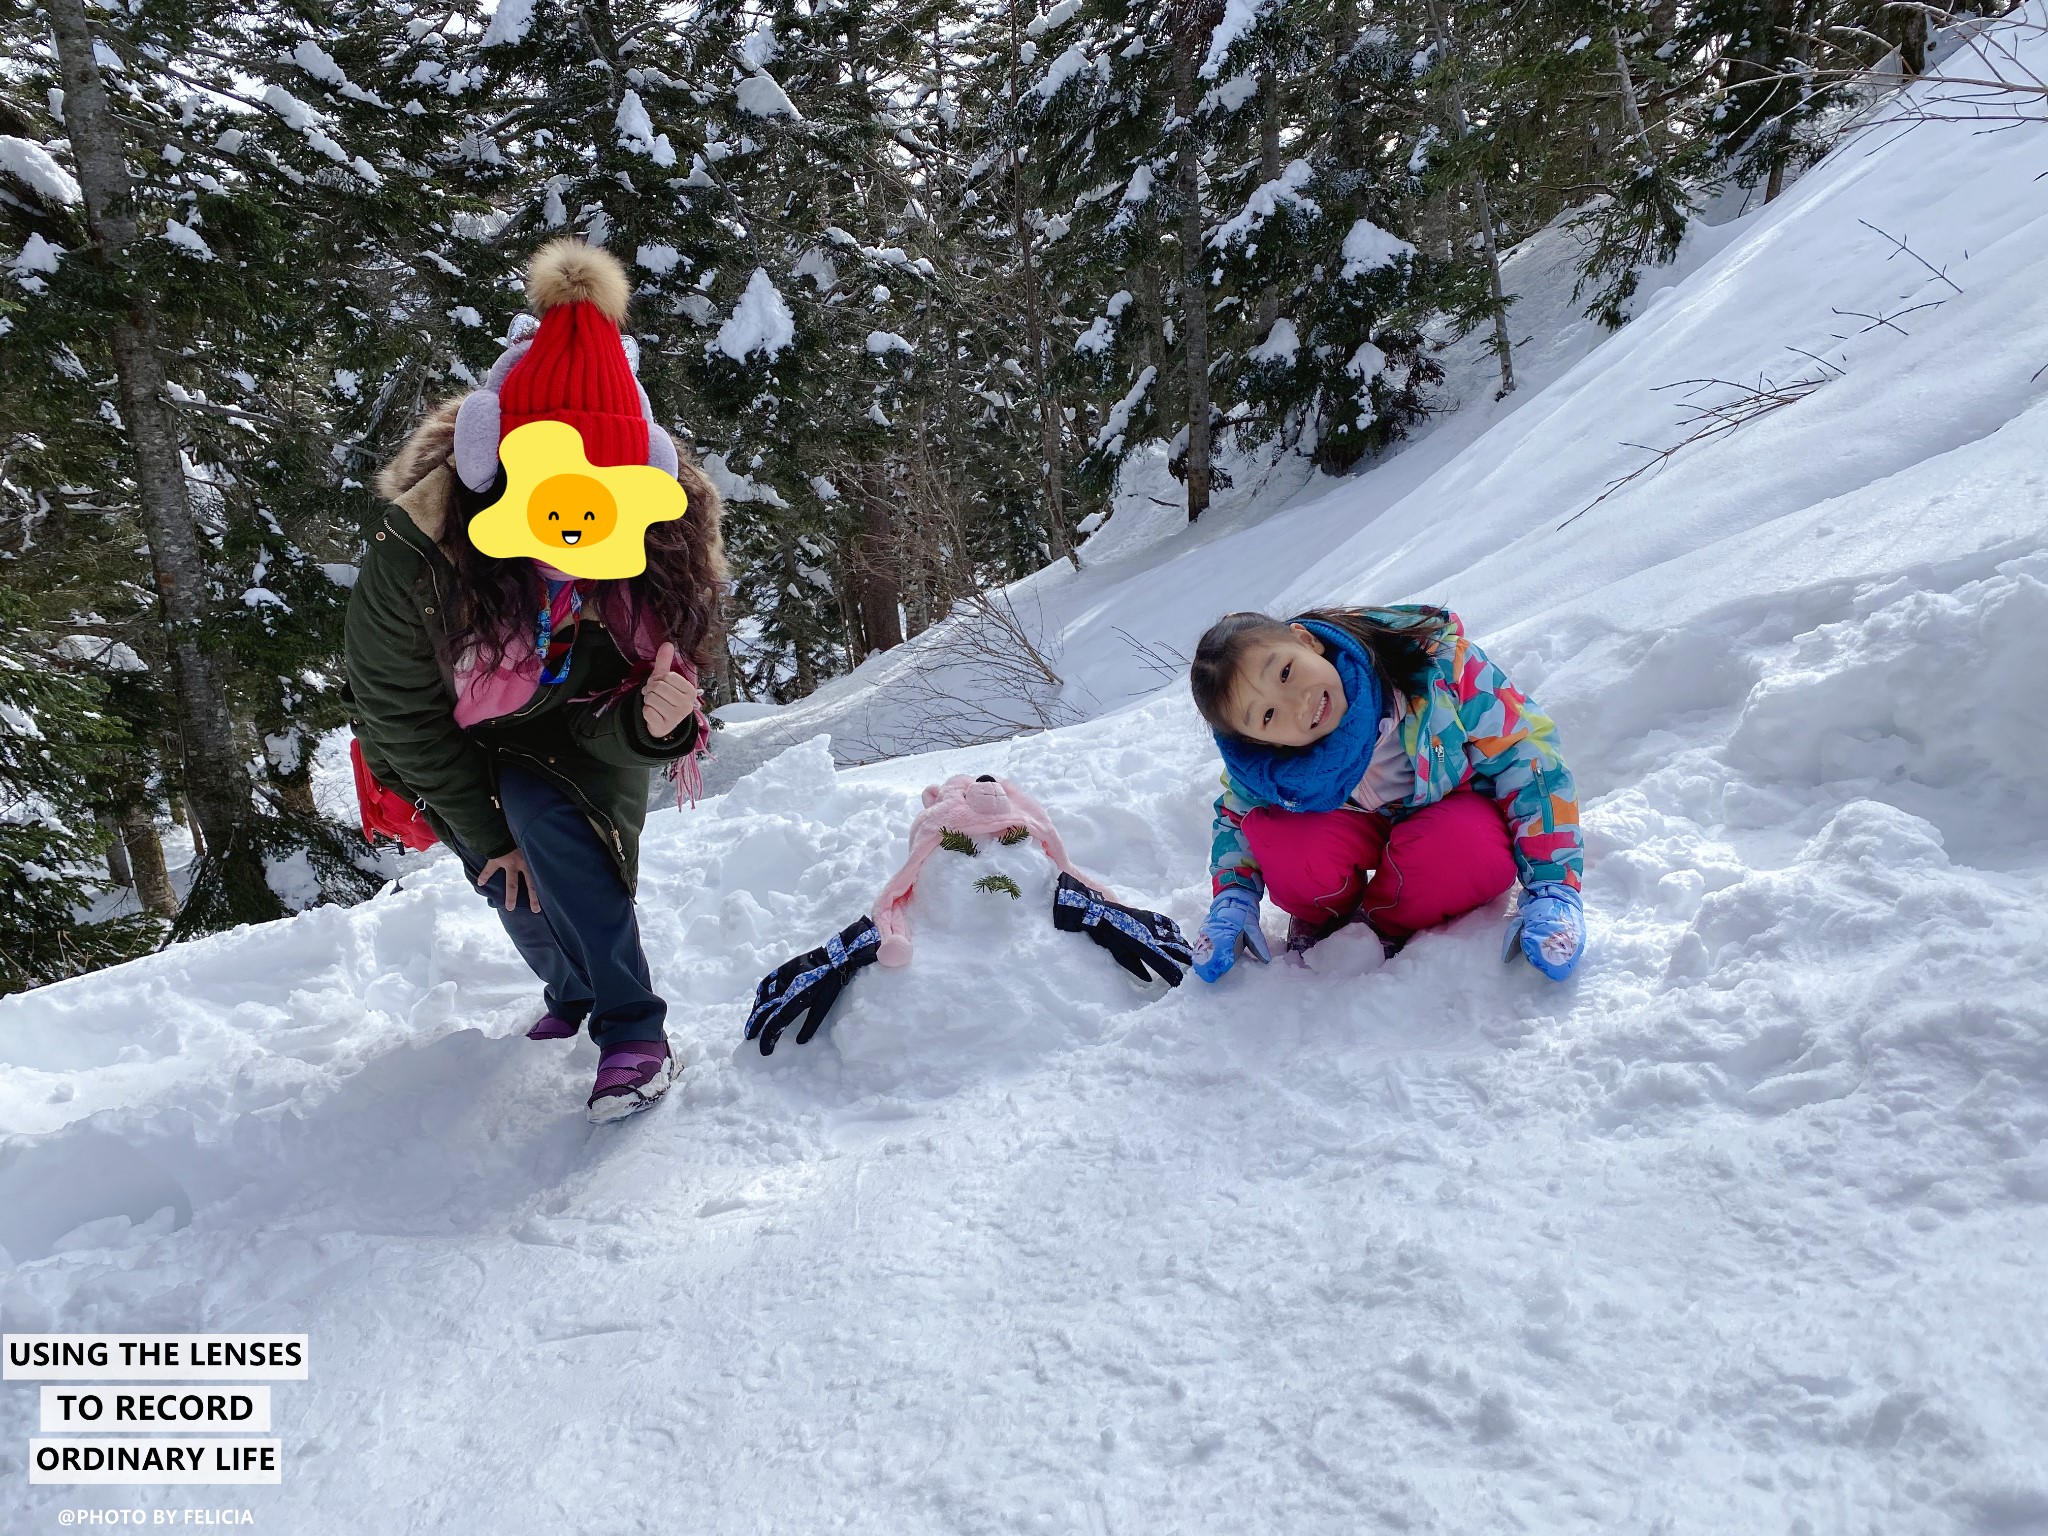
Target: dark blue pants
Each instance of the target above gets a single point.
(584, 942)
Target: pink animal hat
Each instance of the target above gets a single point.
(983, 807)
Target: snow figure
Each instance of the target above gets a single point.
(1146, 944)
(1380, 769)
(983, 807)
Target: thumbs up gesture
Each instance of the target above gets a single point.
(667, 698)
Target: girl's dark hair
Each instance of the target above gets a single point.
(680, 596)
(1401, 652)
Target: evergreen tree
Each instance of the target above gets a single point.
(1123, 164)
(1319, 324)
(52, 731)
(241, 189)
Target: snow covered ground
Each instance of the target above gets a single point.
(1742, 1230)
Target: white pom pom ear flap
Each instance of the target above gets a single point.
(661, 451)
(476, 439)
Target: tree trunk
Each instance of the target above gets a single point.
(1803, 21)
(1269, 170)
(736, 679)
(146, 853)
(119, 870)
(1342, 36)
(1152, 309)
(1475, 186)
(1912, 46)
(216, 782)
(296, 791)
(1034, 326)
(1503, 347)
(1756, 89)
(186, 819)
(877, 573)
(1194, 275)
(1631, 109)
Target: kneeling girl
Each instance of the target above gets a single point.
(1379, 768)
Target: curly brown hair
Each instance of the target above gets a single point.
(681, 594)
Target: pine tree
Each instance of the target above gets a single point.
(1652, 171)
(1320, 341)
(52, 732)
(1123, 164)
(233, 255)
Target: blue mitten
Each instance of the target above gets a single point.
(1550, 929)
(808, 985)
(1233, 918)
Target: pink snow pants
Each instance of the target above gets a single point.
(1401, 876)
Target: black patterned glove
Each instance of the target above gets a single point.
(810, 984)
(1135, 937)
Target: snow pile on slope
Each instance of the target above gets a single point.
(1741, 1230)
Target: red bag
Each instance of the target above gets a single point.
(386, 813)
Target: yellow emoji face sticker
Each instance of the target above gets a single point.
(586, 519)
(572, 512)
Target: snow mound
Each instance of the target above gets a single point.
(1939, 690)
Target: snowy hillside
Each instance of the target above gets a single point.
(1742, 1230)
(1148, 584)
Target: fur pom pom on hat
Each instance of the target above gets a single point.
(567, 271)
(571, 365)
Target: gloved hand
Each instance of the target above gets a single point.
(1136, 938)
(810, 984)
(1550, 929)
(1233, 918)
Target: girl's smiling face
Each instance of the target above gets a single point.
(1287, 694)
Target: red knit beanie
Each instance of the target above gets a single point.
(576, 370)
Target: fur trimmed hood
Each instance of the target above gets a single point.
(420, 477)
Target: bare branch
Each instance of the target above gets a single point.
(1908, 250)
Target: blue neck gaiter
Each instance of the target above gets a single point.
(1319, 777)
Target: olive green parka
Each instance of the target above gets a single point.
(404, 693)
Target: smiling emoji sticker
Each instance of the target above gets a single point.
(586, 519)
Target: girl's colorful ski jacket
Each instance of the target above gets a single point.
(1472, 727)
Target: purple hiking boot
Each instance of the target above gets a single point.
(631, 1077)
(552, 1026)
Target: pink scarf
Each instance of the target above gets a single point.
(484, 694)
